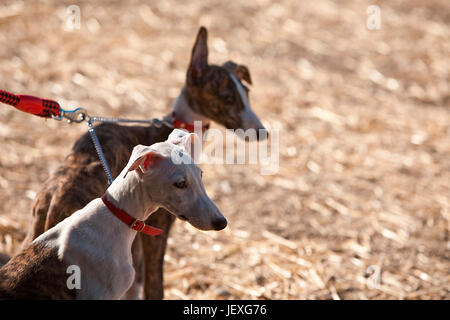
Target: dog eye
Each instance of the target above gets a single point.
(181, 184)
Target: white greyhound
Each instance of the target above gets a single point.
(96, 240)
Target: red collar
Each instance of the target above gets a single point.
(178, 124)
(133, 223)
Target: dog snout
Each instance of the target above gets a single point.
(219, 223)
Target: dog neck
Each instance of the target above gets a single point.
(129, 195)
(99, 243)
(184, 112)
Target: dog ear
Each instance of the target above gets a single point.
(199, 58)
(176, 136)
(184, 140)
(144, 162)
(242, 73)
(239, 71)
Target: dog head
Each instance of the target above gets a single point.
(168, 176)
(218, 92)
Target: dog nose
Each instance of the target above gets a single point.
(219, 223)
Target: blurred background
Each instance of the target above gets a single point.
(360, 207)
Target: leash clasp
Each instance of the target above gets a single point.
(77, 115)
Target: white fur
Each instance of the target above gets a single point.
(249, 118)
(100, 244)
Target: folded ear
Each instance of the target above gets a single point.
(184, 140)
(242, 73)
(144, 163)
(177, 136)
(199, 58)
(239, 71)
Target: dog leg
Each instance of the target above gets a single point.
(136, 291)
(154, 250)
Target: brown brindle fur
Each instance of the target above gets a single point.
(210, 89)
(224, 103)
(35, 273)
(80, 178)
(3, 259)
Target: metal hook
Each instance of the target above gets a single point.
(78, 115)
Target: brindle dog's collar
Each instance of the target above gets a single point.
(178, 124)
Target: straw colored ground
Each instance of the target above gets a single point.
(363, 187)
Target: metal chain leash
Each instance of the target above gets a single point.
(51, 109)
(79, 115)
(99, 150)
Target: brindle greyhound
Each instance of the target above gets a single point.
(211, 92)
(97, 239)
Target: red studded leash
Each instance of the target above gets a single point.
(40, 107)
